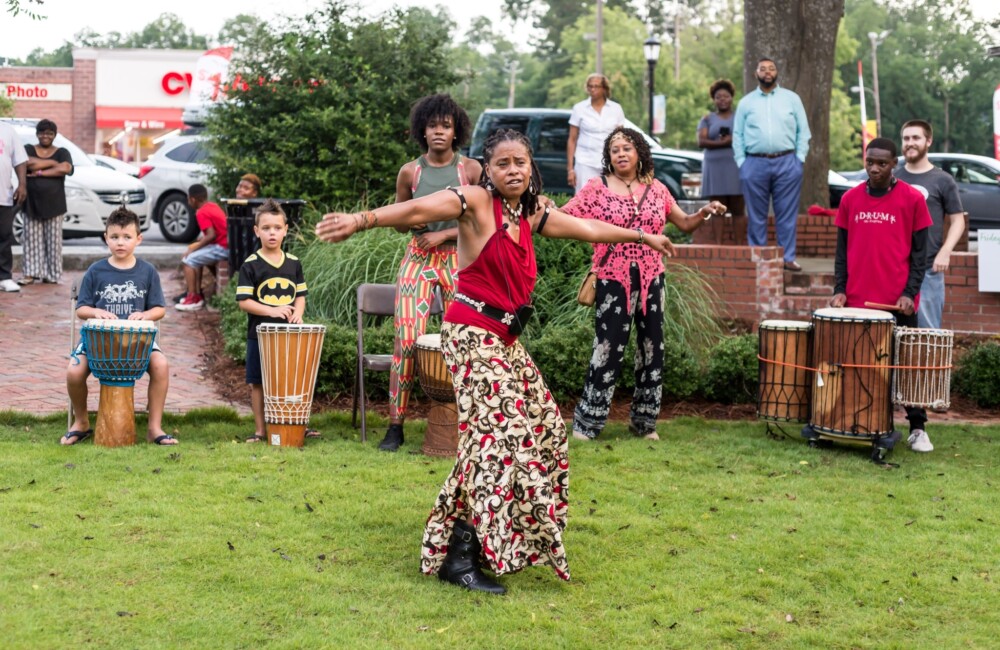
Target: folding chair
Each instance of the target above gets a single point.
(377, 300)
(374, 300)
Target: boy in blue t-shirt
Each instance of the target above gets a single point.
(120, 287)
(271, 289)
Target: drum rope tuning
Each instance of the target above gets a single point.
(849, 365)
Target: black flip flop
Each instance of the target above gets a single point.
(77, 436)
(158, 440)
(313, 433)
(256, 438)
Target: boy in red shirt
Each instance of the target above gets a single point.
(209, 248)
(882, 251)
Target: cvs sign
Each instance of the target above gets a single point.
(175, 83)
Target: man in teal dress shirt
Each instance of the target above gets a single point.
(770, 143)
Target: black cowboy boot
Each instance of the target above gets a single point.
(461, 566)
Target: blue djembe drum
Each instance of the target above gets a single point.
(118, 352)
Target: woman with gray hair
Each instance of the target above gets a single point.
(589, 124)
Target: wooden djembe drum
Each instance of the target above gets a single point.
(441, 438)
(118, 354)
(289, 362)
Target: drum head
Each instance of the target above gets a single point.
(785, 325)
(852, 313)
(431, 341)
(119, 325)
(290, 328)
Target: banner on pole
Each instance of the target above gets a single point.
(659, 114)
(996, 123)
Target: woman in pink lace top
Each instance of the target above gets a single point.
(630, 282)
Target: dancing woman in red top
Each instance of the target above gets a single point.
(505, 501)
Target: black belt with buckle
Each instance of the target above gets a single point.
(772, 155)
(515, 322)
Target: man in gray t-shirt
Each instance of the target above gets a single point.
(941, 193)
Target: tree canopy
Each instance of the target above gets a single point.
(322, 111)
(931, 65)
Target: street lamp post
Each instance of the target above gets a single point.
(651, 48)
(876, 39)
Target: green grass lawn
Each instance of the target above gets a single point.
(716, 537)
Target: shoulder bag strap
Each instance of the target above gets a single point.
(611, 247)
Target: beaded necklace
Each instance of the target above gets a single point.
(512, 214)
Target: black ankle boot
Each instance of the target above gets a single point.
(461, 567)
(393, 438)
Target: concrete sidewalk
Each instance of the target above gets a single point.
(35, 329)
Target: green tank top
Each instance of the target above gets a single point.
(428, 179)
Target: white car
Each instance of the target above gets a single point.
(113, 163)
(92, 192)
(168, 174)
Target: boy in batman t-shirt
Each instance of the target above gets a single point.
(271, 289)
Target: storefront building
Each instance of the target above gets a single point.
(120, 102)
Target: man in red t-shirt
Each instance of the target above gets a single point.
(209, 248)
(882, 251)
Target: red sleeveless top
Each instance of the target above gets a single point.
(503, 276)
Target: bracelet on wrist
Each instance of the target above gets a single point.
(642, 236)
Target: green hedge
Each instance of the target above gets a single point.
(978, 374)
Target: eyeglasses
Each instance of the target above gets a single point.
(594, 86)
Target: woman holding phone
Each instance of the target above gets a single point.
(720, 177)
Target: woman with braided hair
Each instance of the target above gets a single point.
(630, 282)
(505, 501)
(439, 126)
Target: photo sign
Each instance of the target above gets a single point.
(989, 260)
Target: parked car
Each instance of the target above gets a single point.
(113, 163)
(978, 179)
(92, 192)
(548, 130)
(838, 186)
(168, 174)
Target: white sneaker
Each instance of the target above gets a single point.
(919, 441)
(9, 285)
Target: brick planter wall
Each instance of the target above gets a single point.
(751, 286)
(966, 309)
(816, 236)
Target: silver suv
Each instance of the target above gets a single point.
(168, 174)
(92, 192)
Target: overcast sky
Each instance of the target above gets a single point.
(66, 17)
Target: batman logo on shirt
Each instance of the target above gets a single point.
(276, 292)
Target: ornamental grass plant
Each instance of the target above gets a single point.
(716, 537)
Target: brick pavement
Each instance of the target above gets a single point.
(35, 343)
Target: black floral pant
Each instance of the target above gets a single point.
(613, 326)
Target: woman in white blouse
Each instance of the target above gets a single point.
(589, 125)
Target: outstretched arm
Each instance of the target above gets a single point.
(560, 225)
(440, 206)
(691, 222)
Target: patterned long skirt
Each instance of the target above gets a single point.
(511, 475)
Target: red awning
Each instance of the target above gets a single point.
(121, 117)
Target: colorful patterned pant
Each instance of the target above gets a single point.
(43, 248)
(419, 272)
(512, 469)
(613, 325)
